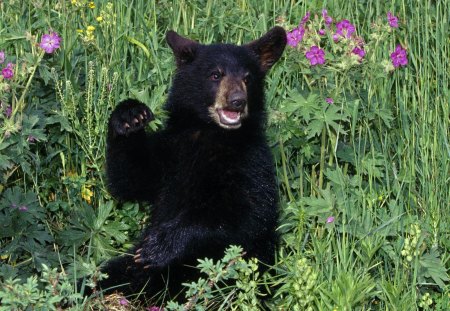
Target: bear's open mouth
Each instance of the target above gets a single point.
(229, 118)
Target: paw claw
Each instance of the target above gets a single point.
(139, 251)
(135, 121)
(126, 125)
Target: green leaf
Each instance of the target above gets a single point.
(319, 206)
(62, 121)
(139, 44)
(104, 210)
(432, 267)
(314, 128)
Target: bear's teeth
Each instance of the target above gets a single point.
(229, 117)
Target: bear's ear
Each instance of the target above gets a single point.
(269, 47)
(183, 48)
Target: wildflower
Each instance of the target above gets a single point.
(50, 42)
(331, 218)
(344, 29)
(8, 112)
(87, 193)
(329, 100)
(321, 32)
(123, 302)
(99, 19)
(387, 65)
(295, 36)
(360, 52)
(74, 2)
(398, 57)
(411, 243)
(2, 57)
(425, 301)
(89, 34)
(328, 20)
(154, 308)
(31, 139)
(23, 208)
(305, 19)
(91, 5)
(8, 72)
(392, 19)
(315, 55)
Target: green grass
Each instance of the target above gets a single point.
(377, 160)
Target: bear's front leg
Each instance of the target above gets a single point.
(133, 161)
(173, 243)
(159, 248)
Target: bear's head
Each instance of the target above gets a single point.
(221, 84)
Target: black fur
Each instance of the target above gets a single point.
(209, 186)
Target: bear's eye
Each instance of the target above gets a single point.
(246, 78)
(215, 75)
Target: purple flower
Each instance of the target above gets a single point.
(31, 139)
(322, 32)
(23, 208)
(392, 19)
(8, 112)
(305, 19)
(8, 72)
(123, 302)
(360, 52)
(295, 36)
(154, 308)
(330, 220)
(50, 42)
(336, 37)
(344, 29)
(329, 100)
(327, 18)
(398, 57)
(2, 57)
(315, 55)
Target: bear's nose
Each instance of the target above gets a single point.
(237, 101)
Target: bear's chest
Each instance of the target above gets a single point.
(213, 174)
(209, 164)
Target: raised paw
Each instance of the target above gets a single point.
(129, 116)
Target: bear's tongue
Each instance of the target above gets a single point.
(229, 116)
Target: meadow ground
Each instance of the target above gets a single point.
(358, 122)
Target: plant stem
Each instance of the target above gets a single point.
(21, 103)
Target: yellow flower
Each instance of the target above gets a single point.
(92, 5)
(74, 2)
(90, 28)
(99, 19)
(86, 193)
(80, 30)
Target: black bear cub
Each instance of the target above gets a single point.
(208, 174)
